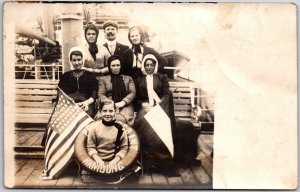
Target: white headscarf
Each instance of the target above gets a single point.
(149, 80)
(72, 50)
(149, 56)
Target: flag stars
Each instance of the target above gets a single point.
(64, 119)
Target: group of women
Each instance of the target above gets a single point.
(120, 76)
(134, 81)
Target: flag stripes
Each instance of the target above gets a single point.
(56, 171)
(59, 153)
(66, 121)
(59, 140)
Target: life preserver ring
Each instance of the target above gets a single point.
(124, 164)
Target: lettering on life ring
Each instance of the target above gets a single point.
(103, 169)
(107, 171)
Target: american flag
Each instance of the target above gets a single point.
(66, 121)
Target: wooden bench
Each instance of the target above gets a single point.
(187, 96)
(33, 106)
(33, 100)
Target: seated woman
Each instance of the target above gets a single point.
(133, 57)
(95, 55)
(119, 88)
(153, 89)
(79, 84)
(106, 139)
(149, 81)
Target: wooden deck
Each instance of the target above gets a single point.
(28, 170)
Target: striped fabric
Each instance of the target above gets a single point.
(66, 121)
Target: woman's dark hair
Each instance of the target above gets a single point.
(91, 27)
(76, 53)
(111, 59)
(140, 31)
(106, 102)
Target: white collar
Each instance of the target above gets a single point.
(114, 42)
(149, 76)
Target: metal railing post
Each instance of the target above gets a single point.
(53, 71)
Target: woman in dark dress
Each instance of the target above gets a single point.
(79, 84)
(153, 92)
(119, 88)
(133, 57)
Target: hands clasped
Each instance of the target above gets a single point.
(112, 164)
(147, 106)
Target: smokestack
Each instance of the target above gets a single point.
(72, 31)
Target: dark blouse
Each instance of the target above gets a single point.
(80, 85)
(127, 68)
(160, 86)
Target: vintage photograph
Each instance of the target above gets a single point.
(150, 95)
(106, 96)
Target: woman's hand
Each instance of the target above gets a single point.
(97, 71)
(93, 70)
(88, 69)
(146, 106)
(120, 104)
(85, 104)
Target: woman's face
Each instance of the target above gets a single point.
(115, 66)
(108, 112)
(149, 67)
(91, 36)
(135, 36)
(77, 62)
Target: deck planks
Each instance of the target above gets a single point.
(175, 181)
(39, 97)
(35, 177)
(145, 180)
(19, 163)
(78, 183)
(36, 137)
(202, 176)
(187, 176)
(66, 180)
(22, 138)
(39, 140)
(29, 138)
(208, 166)
(159, 179)
(204, 147)
(28, 172)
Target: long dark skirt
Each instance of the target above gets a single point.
(183, 133)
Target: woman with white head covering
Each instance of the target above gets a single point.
(152, 87)
(164, 139)
(79, 84)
